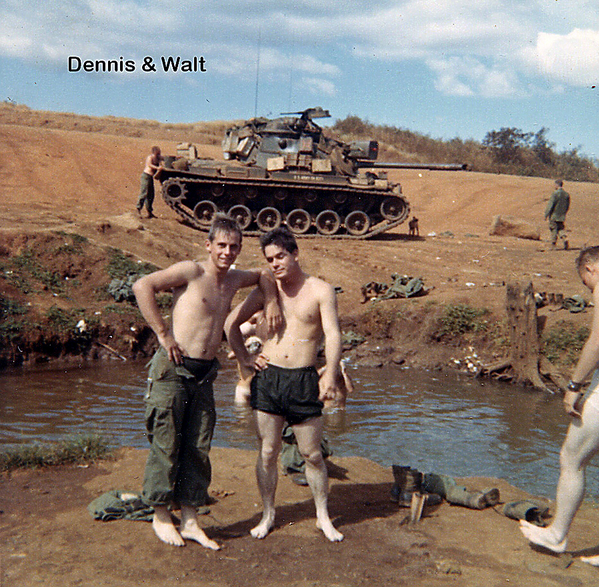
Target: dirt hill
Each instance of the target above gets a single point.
(66, 176)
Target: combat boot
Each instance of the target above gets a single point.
(446, 487)
(532, 511)
(476, 500)
(408, 481)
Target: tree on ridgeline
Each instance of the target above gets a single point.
(508, 150)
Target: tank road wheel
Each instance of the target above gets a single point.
(310, 196)
(204, 212)
(299, 221)
(268, 219)
(281, 194)
(328, 222)
(340, 197)
(357, 223)
(242, 215)
(251, 192)
(175, 190)
(392, 208)
(217, 189)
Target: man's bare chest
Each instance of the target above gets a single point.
(208, 299)
(298, 311)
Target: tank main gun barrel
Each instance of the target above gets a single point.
(310, 113)
(428, 166)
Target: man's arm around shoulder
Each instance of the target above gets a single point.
(268, 286)
(242, 313)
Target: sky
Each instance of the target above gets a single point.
(444, 68)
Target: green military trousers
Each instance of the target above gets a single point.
(180, 418)
(146, 193)
(557, 230)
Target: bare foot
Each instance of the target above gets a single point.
(264, 527)
(191, 530)
(591, 560)
(329, 530)
(164, 527)
(542, 537)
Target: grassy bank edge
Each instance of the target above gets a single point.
(80, 449)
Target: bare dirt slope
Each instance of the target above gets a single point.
(79, 174)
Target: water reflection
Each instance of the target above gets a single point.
(444, 423)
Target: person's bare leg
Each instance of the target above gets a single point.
(581, 444)
(163, 526)
(242, 393)
(269, 429)
(309, 436)
(190, 528)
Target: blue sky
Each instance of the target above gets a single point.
(445, 68)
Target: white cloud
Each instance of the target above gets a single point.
(318, 86)
(572, 58)
(468, 76)
(484, 48)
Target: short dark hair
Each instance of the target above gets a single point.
(282, 237)
(587, 256)
(224, 223)
(559, 182)
(155, 149)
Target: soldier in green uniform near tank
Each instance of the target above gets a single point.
(557, 208)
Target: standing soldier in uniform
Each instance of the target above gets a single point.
(556, 210)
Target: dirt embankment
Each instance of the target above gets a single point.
(68, 228)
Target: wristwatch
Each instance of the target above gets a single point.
(574, 386)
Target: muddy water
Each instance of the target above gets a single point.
(445, 423)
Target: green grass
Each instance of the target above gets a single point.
(75, 247)
(83, 448)
(562, 343)
(121, 265)
(12, 319)
(351, 338)
(457, 319)
(27, 262)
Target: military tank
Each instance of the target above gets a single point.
(288, 171)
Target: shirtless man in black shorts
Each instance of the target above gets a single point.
(286, 385)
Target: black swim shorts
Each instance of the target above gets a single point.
(291, 393)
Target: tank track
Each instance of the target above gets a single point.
(374, 230)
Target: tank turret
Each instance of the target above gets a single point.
(288, 170)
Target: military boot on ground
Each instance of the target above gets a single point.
(446, 487)
(407, 482)
(476, 500)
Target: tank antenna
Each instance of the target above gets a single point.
(257, 73)
(289, 106)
